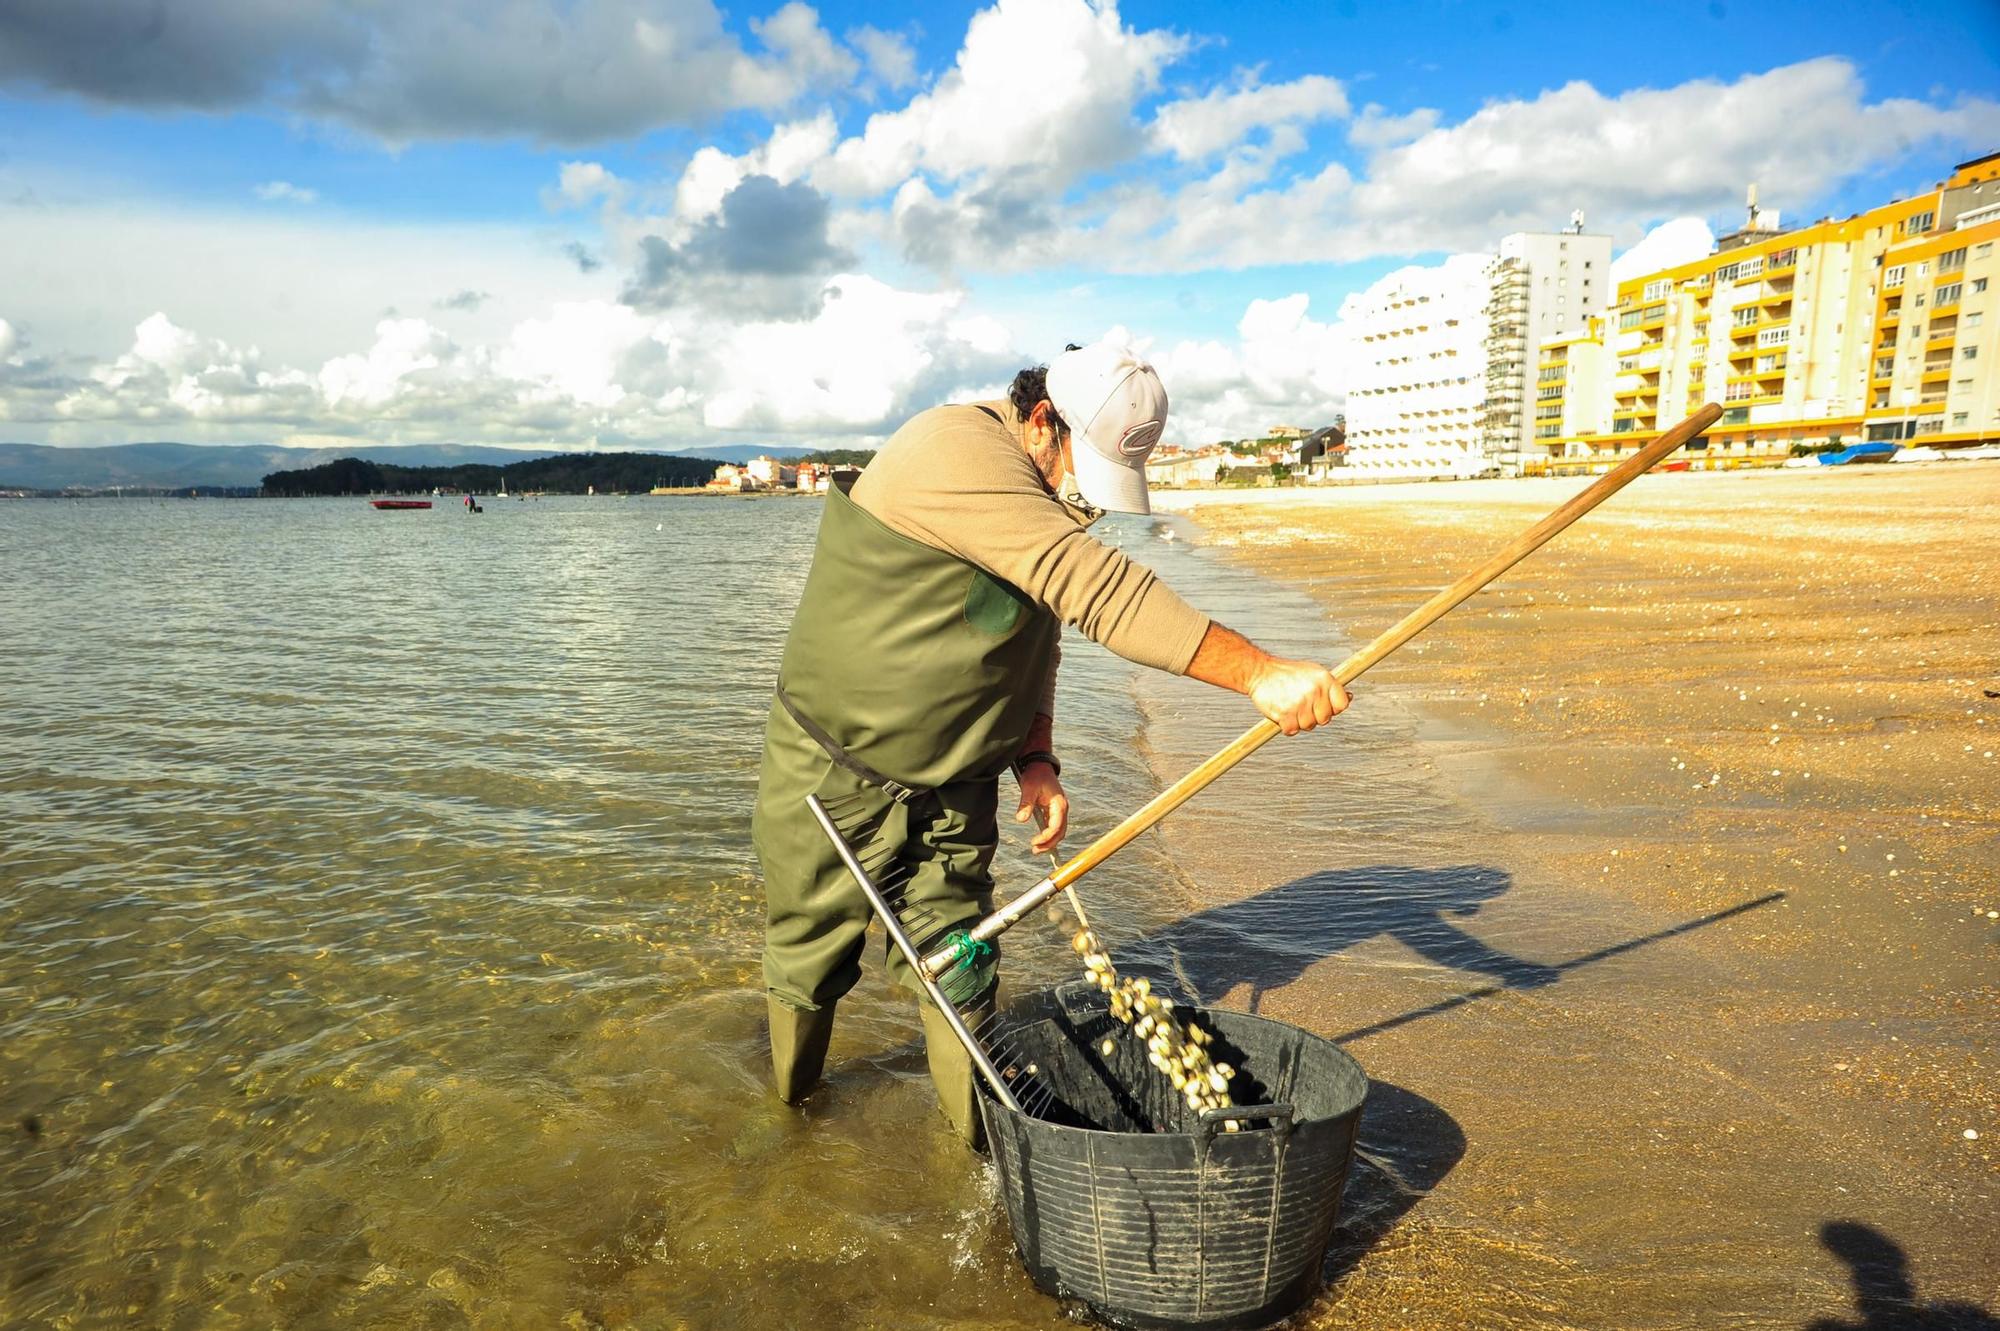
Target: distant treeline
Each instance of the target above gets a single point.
(837, 457)
(568, 473)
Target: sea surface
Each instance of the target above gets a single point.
(379, 928)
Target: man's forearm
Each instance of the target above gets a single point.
(1228, 660)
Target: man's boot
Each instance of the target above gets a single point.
(952, 1071)
(798, 1047)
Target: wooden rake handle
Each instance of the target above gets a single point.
(1425, 615)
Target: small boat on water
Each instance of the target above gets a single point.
(400, 503)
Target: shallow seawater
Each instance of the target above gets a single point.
(378, 930)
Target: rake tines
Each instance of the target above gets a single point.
(1021, 1072)
(855, 829)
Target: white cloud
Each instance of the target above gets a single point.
(578, 351)
(299, 284)
(1668, 245)
(1041, 88)
(1286, 368)
(403, 347)
(10, 340)
(1200, 127)
(578, 72)
(580, 184)
(872, 355)
(284, 191)
(1629, 160)
(890, 60)
(793, 149)
(1376, 129)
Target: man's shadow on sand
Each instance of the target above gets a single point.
(1407, 1143)
(1271, 939)
(1885, 1293)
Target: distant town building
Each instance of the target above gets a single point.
(1286, 432)
(1416, 400)
(771, 473)
(1538, 285)
(1181, 469)
(1572, 394)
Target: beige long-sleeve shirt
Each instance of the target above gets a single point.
(959, 481)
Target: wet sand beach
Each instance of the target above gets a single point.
(1685, 1007)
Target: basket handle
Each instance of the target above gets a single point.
(1281, 1116)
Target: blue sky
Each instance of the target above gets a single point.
(283, 201)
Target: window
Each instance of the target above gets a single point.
(1972, 319)
(1978, 285)
(1959, 418)
(1951, 260)
(1919, 222)
(1752, 267)
(1969, 353)
(1931, 426)
(1655, 290)
(1727, 273)
(1774, 337)
(1893, 278)
(1945, 295)
(1978, 251)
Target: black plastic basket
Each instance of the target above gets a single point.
(1121, 1198)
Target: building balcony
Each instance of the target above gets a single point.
(1888, 318)
(1936, 373)
(1939, 335)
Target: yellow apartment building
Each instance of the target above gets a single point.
(1932, 379)
(1786, 329)
(1572, 395)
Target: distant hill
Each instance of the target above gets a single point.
(176, 466)
(742, 452)
(565, 473)
(173, 466)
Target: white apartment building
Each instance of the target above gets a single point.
(1417, 384)
(1539, 285)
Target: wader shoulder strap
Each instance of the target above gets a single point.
(990, 412)
(893, 788)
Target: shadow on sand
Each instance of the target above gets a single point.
(1407, 1143)
(1406, 1146)
(1885, 1295)
(1271, 939)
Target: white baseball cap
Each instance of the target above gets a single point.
(1116, 409)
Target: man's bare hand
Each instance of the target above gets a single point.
(1297, 695)
(1041, 791)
